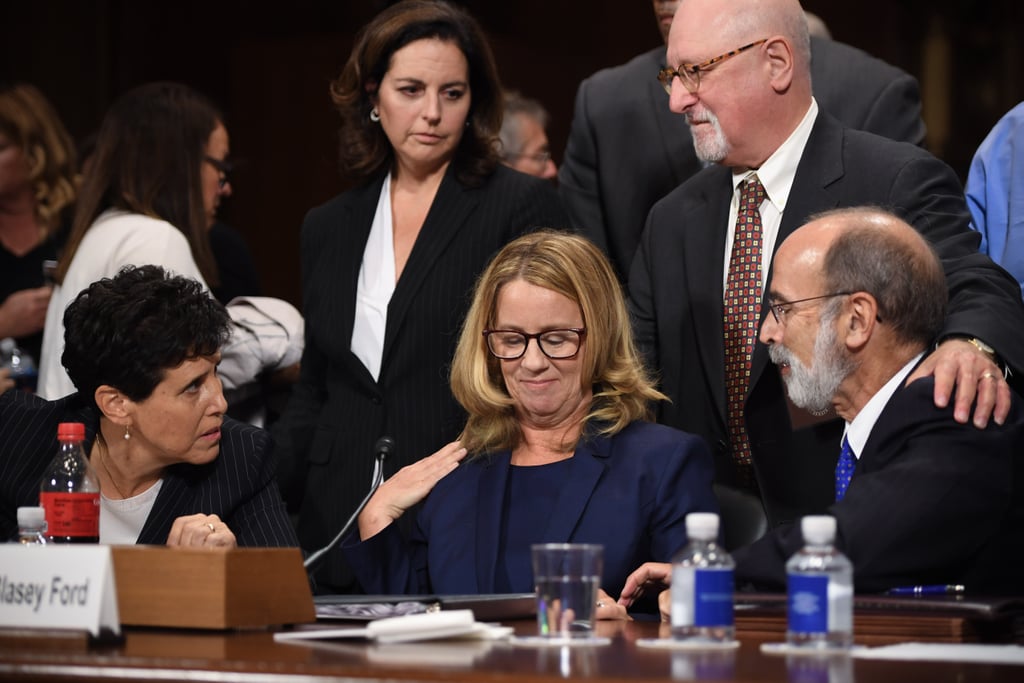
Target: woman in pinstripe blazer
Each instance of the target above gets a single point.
(142, 349)
(388, 267)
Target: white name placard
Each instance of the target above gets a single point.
(58, 586)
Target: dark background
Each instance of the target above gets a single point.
(269, 68)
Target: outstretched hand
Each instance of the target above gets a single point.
(408, 486)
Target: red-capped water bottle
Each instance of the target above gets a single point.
(70, 492)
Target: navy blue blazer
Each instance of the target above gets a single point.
(238, 485)
(629, 492)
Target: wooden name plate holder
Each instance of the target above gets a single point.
(211, 588)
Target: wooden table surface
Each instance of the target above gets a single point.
(253, 656)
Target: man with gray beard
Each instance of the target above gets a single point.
(857, 297)
(740, 76)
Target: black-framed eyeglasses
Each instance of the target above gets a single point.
(224, 168)
(555, 344)
(780, 309)
(689, 74)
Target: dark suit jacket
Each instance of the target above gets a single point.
(930, 502)
(630, 493)
(676, 297)
(337, 410)
(627, 150)
(238, 486)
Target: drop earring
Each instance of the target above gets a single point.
(374, 115)
(127, 434)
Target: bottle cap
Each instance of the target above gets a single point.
(818, 529)
(702, 526)
(31, 517)
(71, 431)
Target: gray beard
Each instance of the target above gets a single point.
(713, 149)
(813, 388)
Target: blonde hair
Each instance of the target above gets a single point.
(573, 267)
(28, 118)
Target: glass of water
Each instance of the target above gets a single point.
(567, 576)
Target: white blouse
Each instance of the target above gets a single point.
(375, 287)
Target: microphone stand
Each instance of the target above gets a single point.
(382, 449)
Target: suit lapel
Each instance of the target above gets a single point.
(820, 166)
(705, 230)
(174, 499)
(448, 214)
(355, 225)
(490, 501)
(585, 471)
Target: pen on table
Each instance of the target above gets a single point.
(941, 589)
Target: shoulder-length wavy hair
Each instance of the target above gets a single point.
(572, 266)
(148, 159)
(31, 123)
(364, 148)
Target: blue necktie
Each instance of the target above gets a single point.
(844, 469)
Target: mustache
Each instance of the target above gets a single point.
(702, 116)
(780, 355)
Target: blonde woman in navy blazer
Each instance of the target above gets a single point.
(562, 451)
(388, 267)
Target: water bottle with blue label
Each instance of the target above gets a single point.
(702, 585)
(820, 587)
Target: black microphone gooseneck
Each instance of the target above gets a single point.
(381, 450)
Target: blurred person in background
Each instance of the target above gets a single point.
(38, 185)
(524, 142)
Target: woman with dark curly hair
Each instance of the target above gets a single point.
(142, 349)
(388, 266)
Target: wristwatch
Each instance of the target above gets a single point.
(985, 349)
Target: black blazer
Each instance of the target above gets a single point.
(627, 150)
(676, 298)
(337, 410)
(238, 486)
(931, 501)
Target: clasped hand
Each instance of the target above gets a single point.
(201, 530)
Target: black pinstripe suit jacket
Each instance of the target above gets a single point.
(337, 411)
(238, 486)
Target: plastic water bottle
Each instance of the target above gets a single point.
(820, 583)
(70, 492)
(702, 584)
(31, 526)
(23, 368)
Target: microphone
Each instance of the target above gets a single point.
(381, 450)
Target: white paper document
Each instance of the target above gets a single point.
(409, 628)
(946, 652)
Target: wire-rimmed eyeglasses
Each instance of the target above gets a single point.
(555, 344)
(689, 74)
(224, 168)
(780, 309)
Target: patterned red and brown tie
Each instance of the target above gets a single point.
(742, 313)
